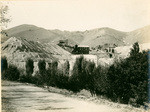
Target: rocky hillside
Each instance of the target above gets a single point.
(92, 38)
(17, 49)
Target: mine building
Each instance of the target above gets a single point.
(110, 48)
(81, 49)
(63, 42)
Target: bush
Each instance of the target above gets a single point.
(12, 73)
(61, 80)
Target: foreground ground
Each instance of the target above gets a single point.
(19, 97)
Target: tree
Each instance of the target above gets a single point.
(4, 63)
(89, 77)
(42, 66)
(77, 75)
(100, 80)
(53, 71)
(82, 75)
(29, 66)
(135, 50)
(4, 66)
(66, 68)
(128, 78)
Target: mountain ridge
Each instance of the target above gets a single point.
(93, 37)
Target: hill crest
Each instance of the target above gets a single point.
(94, 37)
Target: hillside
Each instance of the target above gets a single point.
(18, 50)
(95, 37)
(141, 35)
(102, 36)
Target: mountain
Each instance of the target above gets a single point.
(93, 38)
(34, 33)
(18, 50)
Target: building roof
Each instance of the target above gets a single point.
(83, 46)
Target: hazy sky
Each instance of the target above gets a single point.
(124, 15)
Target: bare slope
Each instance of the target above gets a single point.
(17, 49)
(102, 36)
(141, 35)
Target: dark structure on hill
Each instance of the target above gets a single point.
(81, 49)
(63, 42)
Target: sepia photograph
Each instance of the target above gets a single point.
(75, 55)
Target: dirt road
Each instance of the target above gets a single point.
(19, 97)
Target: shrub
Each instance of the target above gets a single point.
(12, 73)
(61, 80)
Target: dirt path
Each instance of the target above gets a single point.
(19, 97)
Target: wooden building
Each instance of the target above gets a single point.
(81, 49)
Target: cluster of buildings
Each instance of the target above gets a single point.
(84, 49)
(101, 52)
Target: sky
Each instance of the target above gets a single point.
(81, 15)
